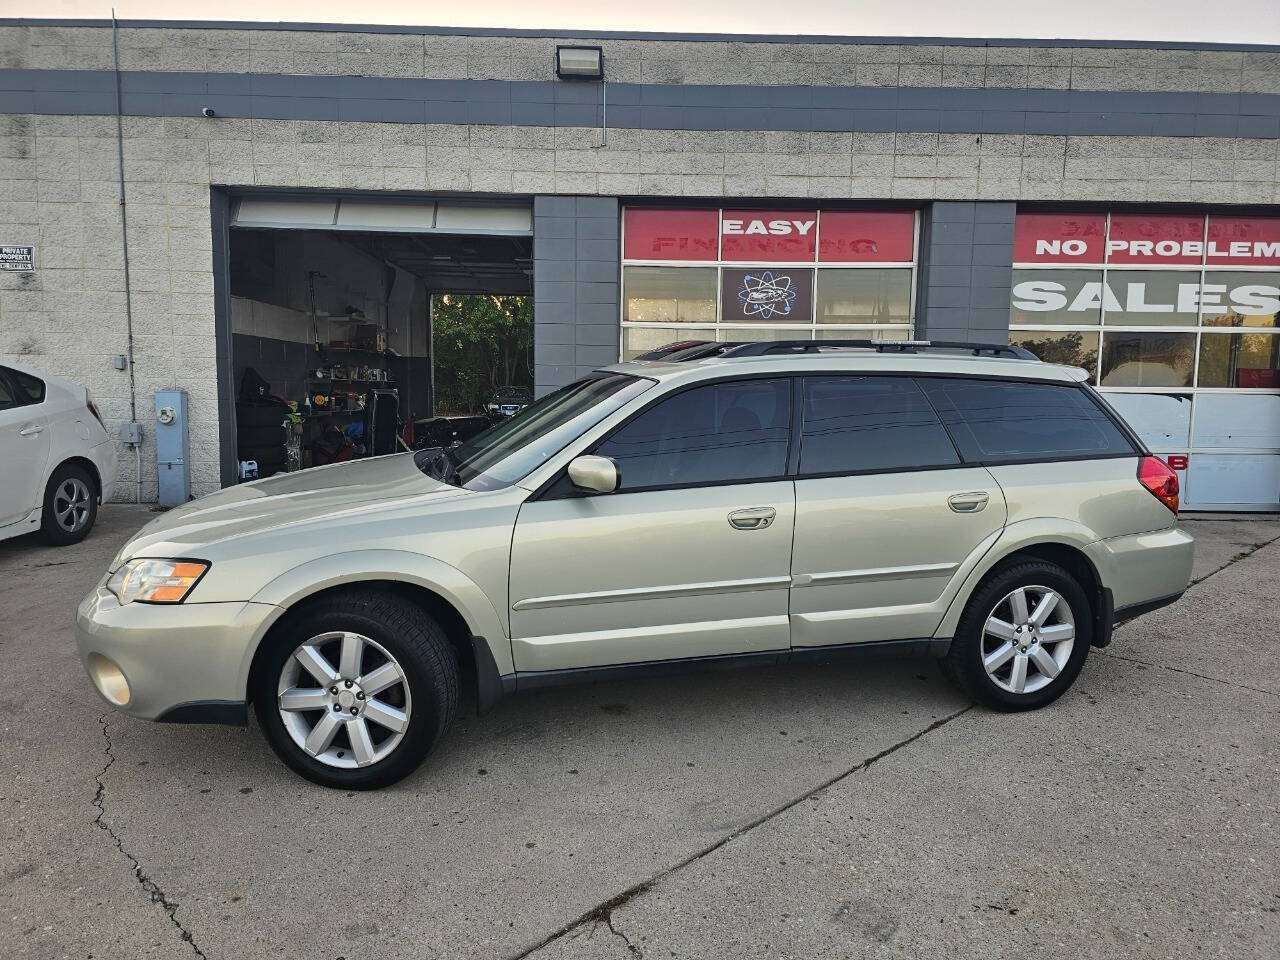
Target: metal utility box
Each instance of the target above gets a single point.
(173, 448)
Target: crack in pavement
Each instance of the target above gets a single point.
(603, 912)
(1242, 555)
(170, 907)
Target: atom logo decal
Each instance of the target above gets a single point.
(766, 296)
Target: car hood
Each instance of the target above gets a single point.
(285, 500)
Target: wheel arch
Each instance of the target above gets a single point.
(1065, 544)
(85, 463)
(442, 592)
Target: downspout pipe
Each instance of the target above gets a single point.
(124, 241)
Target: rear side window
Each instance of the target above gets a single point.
(18, 389)
(30, 389)
(993, 421)
(719, 433)
(859, 424)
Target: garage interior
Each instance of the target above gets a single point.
(361, 327)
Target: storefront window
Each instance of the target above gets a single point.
(1245, 360)
(1076, 348)
(669, 295)
(1057, 297)
(1148, 359)
(874, 295)
(756, 274)
(1241, 299)
(638, 340)
(1152, 298)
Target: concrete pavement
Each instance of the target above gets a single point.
(857, 810)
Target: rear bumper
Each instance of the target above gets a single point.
(184, 663)
(103, 456)
(1144, 567)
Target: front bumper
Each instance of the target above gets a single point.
(188, 661)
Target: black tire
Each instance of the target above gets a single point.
(964, 662)
(51, 529)
(415, 640)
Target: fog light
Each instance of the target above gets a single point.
(109, 679)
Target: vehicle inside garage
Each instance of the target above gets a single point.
(359, 328)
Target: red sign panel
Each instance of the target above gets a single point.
(776, 236)
(847, 236)
(1244, 241)
(1172, 239)
(1059, 238)
(670, 234)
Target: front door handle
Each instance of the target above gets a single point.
(752, 518)
(970, 502)
(31, 430)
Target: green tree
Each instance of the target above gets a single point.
(480, 342)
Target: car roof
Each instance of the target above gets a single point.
(852, 361)
(50, 380)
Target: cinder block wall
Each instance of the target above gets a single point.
(58, 170)
(575, 288)
(967, 253)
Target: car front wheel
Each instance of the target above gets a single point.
(356, 690)
(1023, 637)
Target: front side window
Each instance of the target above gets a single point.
(860, 424)
(994, 421)
(513, 448)
(718, 433)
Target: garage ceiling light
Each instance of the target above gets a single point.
(579, 63)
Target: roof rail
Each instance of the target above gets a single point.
(685, 350)
(763, 348)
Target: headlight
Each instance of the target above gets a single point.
(156, 581)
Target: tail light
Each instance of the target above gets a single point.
(1158, 477)
(96, 415)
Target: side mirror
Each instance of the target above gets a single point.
(597, 474)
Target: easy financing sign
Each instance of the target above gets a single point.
(1124, 242)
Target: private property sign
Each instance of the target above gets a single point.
(21, 259)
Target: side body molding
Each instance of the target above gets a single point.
(358, 566)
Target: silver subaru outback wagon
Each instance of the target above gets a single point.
(721, 503)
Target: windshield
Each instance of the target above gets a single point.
(513, 448)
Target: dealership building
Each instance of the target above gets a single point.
(201, 205)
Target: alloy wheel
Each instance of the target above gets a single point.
(344, 699)
(71, 504)
(1027, 639)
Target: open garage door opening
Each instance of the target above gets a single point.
(350, 342)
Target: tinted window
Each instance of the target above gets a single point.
(870, 423)
(992, 421)
(30, 389)
(6, 394)
(720, 433)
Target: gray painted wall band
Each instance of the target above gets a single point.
(638, 34)
(661, 106)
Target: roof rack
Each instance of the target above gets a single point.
(763, 348)
(686, 350)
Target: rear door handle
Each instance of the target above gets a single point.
(970, 502)
(31, 430)
(752, 518)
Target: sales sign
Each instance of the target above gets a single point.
(21, 259)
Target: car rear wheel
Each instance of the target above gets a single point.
(70, 506)
(1023, 637)
(356, 691)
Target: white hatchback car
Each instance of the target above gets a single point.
(56, 459)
